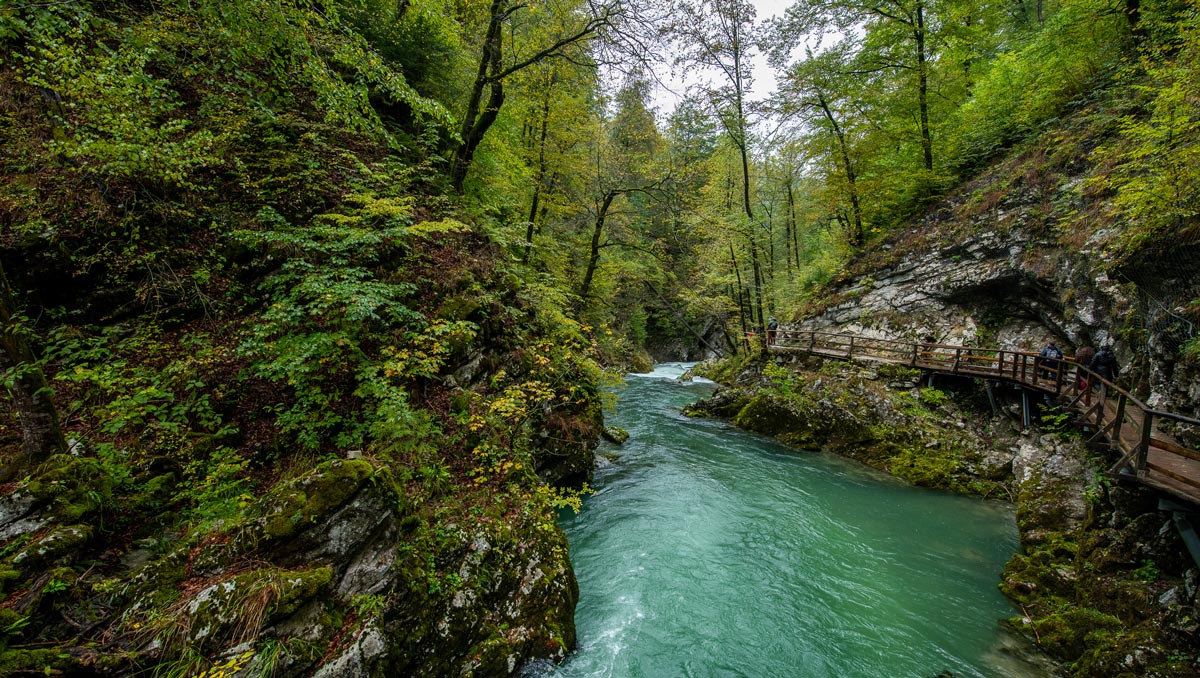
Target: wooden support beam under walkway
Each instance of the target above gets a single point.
(1134, 431)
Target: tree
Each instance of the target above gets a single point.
(626, 164)
(555, 108)
(719, 35)
(563, 35)
(895, 38)
(811, 89)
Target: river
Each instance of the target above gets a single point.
(709, 551)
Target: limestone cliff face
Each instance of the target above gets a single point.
(1008, 261)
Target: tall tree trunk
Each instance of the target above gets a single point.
(787, 230)
(539, 177)
(771, 246)
(923, 87)
(758, 277)
(476, 122)
(754, 262)
(741, 306)
(42, 435)
(742, 141)
(1133, 14)
(856, 235)
(594, 254)
(795, 227)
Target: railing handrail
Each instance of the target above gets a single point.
(920, 345)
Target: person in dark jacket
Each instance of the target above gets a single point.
(1049, 360)
(1105, 363)
(772, 330)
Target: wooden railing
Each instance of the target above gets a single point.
(1130, 427)
(1021, 366)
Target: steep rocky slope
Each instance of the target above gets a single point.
(1022, 253)
(314, 422)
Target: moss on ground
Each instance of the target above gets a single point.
(853, 411)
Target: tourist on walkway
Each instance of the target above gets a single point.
(1049, 360)
(772, 328)
(1105, 363)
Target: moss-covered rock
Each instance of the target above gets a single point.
(52, 547)
(641, 362)
(615, 435)
(244, 603)
(303, 502)
(873, 415)
(725, 403)
(73, 487)
(39, 661)
(1070, 633)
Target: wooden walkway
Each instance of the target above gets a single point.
(1129, 427)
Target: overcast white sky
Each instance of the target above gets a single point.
(666, 97)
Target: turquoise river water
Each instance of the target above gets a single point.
(708, 551)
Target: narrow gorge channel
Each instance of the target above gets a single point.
(708, 551)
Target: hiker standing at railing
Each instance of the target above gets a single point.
(1049, 358)
(772, 329)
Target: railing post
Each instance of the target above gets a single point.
(1144, 446)
(1024, 368)
(1119, 422)
(916, 347)
(957, 358)
(1059, 377)
(812, 340)
(850, 351)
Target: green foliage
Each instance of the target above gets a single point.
(1156, 159)
(1056, 420)
(1147, 571)
(933, 397)
(325, 301)
(1191, 349)
(368, 606)
(137, 384)
(1019, 90)
(1096, 491)
(124, 122)
(783, 379)
(567, 498)
(125, 112)
(55, 586)
(219, 487)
